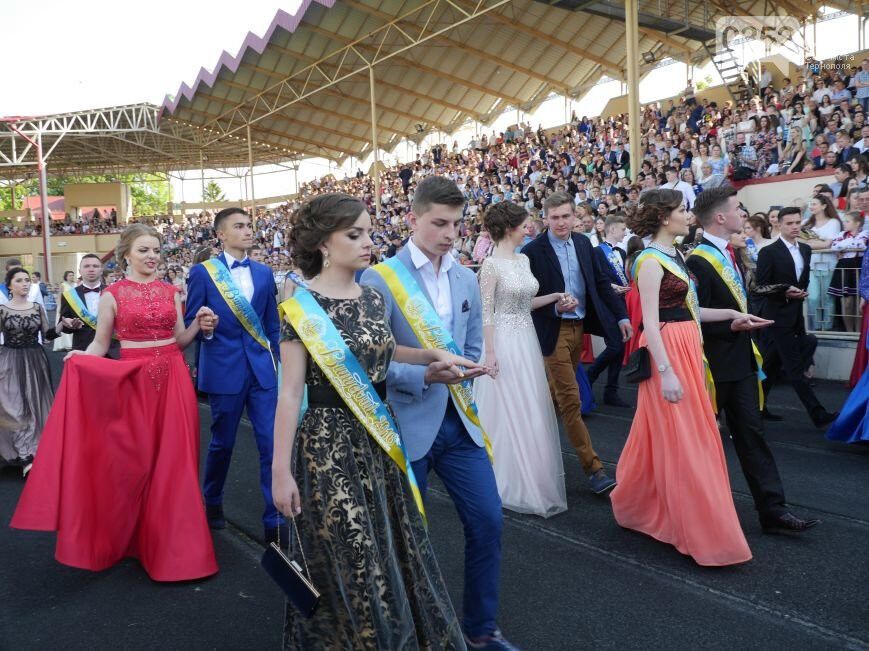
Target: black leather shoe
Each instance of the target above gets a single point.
(822, 418)
(279, 534)
(787, 523)
(768, 415)
(615, 401)
(214, 515)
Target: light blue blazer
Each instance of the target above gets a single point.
(420, 410)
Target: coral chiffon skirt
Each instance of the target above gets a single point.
(116, 472)
(672, 474)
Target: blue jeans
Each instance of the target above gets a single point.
(819, 303)
(467, 474)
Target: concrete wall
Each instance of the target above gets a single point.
(80, 195)
(760, 196)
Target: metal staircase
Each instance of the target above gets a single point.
(732, 74)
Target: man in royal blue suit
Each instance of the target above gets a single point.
(237, 364)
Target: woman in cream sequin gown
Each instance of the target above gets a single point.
(516, 407)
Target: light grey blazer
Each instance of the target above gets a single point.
(419, 410)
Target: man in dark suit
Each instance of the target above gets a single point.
(731, 354)
(90, 268)
(611, 262)
(563, 262)
(783, 276)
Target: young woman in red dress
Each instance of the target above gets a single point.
(116, 473)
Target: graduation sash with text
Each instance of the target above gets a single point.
(80, 308)
(237, 303)
(330, 352)
(616, 263)
(724, 268)
(691, 302)
(430, 331)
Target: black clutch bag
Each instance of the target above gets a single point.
(295, 582)
(639, 366)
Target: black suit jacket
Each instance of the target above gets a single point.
(775, 266)
(83, 337)
(729, 353)
(603, 308)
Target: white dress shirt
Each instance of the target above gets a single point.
(92, 299)
(35, 295)
(241, 275)
(799, 263)
(438, 288)
(688, 196)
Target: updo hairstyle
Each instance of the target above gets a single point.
(129, 235)
(315, 222)
(503, 217)
(654, 206)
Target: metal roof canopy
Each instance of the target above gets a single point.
(318, 83)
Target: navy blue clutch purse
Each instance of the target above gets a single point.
(291, 578)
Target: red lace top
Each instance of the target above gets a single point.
(673, 291)
(146, 311)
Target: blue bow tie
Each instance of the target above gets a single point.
(243, 263)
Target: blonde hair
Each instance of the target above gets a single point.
(129, 235)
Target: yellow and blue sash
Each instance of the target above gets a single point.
(430, 331)
(80, 308)
(237, 303)
(328, 349)
(691, 302)
(616, 263)
(724, 268)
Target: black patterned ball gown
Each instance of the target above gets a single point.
(25, 381)
(363, 537)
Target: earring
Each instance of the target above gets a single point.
(326, 259)
(666, 221)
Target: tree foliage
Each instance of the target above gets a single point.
(213, 192)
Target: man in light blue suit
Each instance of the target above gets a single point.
(235, 370)
(435, 432)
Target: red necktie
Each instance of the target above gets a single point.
(732, 254)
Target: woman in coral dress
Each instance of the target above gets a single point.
(116, 472)
(672, 474)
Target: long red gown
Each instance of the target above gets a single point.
(116, 472)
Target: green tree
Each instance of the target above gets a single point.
(213, 192)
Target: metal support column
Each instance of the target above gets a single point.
(12, 191)
(46, 213)
(374, 143)
(633, 74)
(202, 175)
(250, 165)
(296, 175)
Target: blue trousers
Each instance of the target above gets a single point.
(611, 361)
(467, 474)
(226, 411)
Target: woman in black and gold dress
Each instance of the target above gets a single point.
(363, 537)
(25, 379)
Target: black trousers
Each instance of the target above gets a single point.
(611, 360)
(790, 353)
(739, 401)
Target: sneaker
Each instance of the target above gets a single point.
(601, 482)
(493, 642)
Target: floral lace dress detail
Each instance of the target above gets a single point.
(146, 312)
(507, 288)
(26, 389)
(363, 537)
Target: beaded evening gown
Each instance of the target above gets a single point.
(672, 474)
(363, 537)
(516, 408)
(26, 391)
(117, 470)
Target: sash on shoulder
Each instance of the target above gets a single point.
(328, 349)
(724, 268)
(691, 302)
(237, 303)
(430, 331)
(615, 262)
(80, 308)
